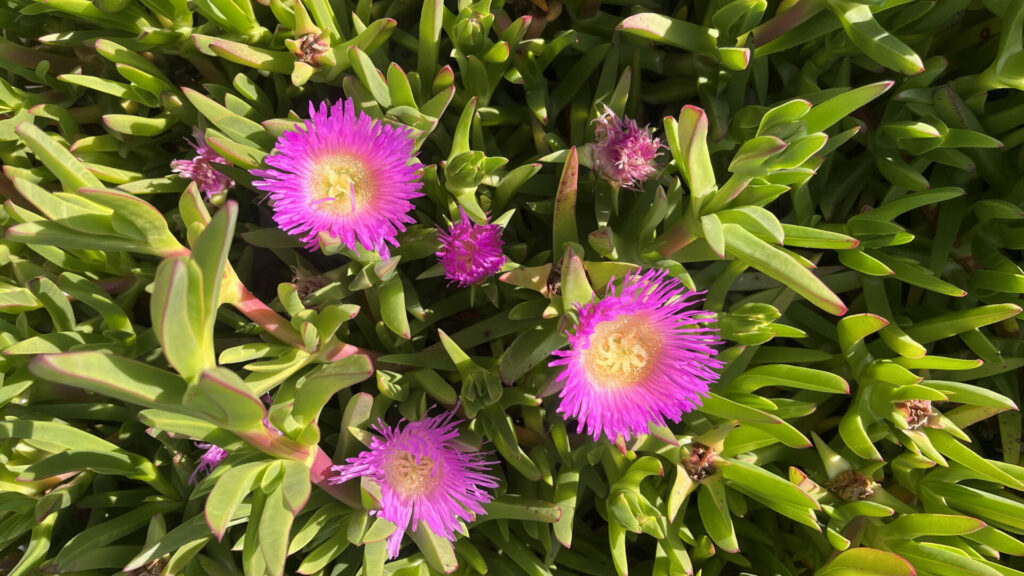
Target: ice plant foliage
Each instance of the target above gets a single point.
(208, 461)
(423, 476)
(624, 153)
(470, 252)
(637, 356)
(200, 168)
(343, 173)
(873, 395)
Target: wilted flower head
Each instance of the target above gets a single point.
(918, 414)
(638, 355)
(623, 152)
(423, 476)
(345, 174)
(470, 252)
(199, 168)
(208, 461)
(851, 485)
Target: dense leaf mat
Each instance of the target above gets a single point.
(842, 178)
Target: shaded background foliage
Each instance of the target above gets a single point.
(843, 178)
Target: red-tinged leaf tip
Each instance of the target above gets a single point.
(219, 535)
(856, 243)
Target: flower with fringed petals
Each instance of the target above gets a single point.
(470, 252)
(210, 459)
(424, 476)
(624, 153)
(641, 354)
(344, 174)
(200, 168)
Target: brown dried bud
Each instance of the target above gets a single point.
(154, 568)
(307, 283)
(918, 413)
(851, 485)
(554, 282)
(310, 46)
(700, 463)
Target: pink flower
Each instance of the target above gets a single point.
(639, 355)
(200, 170)
(423, 476)
(623, 152)
(208, 461)
(470, 252)
(345, 174)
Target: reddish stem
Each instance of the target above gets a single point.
(254, 309)
(340, 350)
(785, 21)
(320, 473)
(676, 238)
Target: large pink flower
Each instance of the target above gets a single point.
(638, 356)
(423, 476)
(345, 174)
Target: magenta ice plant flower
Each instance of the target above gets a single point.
(208, 461)
(343, 173)
(470, 252)
(423, 476)
(200, 168)
(624, 153)
(641, 354)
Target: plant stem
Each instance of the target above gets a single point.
(320, 473)
(254, 309)
(785, 21)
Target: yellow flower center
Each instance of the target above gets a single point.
(409, 477)
(621, 351)
(339, 186)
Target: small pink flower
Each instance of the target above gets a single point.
(639, 355)
(423, 476)
(624, 153)
(470, 252)
(200, 170)
(208, 461)
(345, 174)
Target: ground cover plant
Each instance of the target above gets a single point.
(534, 287)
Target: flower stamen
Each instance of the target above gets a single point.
(620, 351)
(338, 188)
(410, 475)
